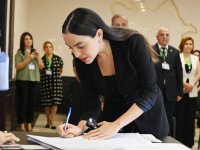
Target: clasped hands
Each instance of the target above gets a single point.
(105, 131)
(187, 88)
(8, 138)
(34, 54)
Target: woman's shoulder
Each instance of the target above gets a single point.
(194, 57)
(18, 53)
(136, 37)
(57, 57)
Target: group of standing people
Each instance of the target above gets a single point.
(178, 77)
(33, 76)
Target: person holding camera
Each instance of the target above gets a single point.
(27, 65)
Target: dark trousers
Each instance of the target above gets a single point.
(27, 94)
(169, 108)
(185, 114)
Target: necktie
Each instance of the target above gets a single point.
(163, 52)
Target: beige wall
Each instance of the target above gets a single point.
(44, 19)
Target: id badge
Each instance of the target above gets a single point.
(165, 66)
(48, 72)
(31, 67)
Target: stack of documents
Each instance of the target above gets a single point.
(121, 141)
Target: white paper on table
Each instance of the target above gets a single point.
(10, 146)
(122, 141)
(151, 138)
(21, 146)
(158, 146)
(33, 147)
(117, 142)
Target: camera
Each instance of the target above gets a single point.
(32, 50)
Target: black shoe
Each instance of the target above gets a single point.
(47, 126)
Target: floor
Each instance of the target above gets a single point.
(196, 138)
(41, 121)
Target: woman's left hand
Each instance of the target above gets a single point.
(8, 137)
(105, 131)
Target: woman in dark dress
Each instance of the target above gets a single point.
(116, 63)
(51, 84)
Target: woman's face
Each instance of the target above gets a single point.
(28, 41)
(48, 49)
(84, 48)
(188, 46)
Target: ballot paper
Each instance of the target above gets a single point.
(158, 146)
(119, 141)
(151, 138)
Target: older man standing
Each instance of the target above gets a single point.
(119, 20)
(169, 73)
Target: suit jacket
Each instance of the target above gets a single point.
(136, 81)
(173, 84)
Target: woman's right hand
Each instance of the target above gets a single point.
(71, 131)
(33, 55)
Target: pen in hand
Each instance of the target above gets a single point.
(67, 119)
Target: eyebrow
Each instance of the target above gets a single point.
(74, 45)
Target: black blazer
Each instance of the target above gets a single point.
(135, 73)
(173, 77)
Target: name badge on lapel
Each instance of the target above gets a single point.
(31, 67)
(48, 72)
(165, 66)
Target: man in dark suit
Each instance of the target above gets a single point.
(169, 73)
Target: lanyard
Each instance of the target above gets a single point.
(188, 65)
(188, 61)
(49, 62)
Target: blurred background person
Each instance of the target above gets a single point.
(197, 108)
(51, 91)
(185, 108)
(119, 20)
(27, 64)
(169, 73)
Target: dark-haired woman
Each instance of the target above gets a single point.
(27, 64)
(185, 108)
(116, 63)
